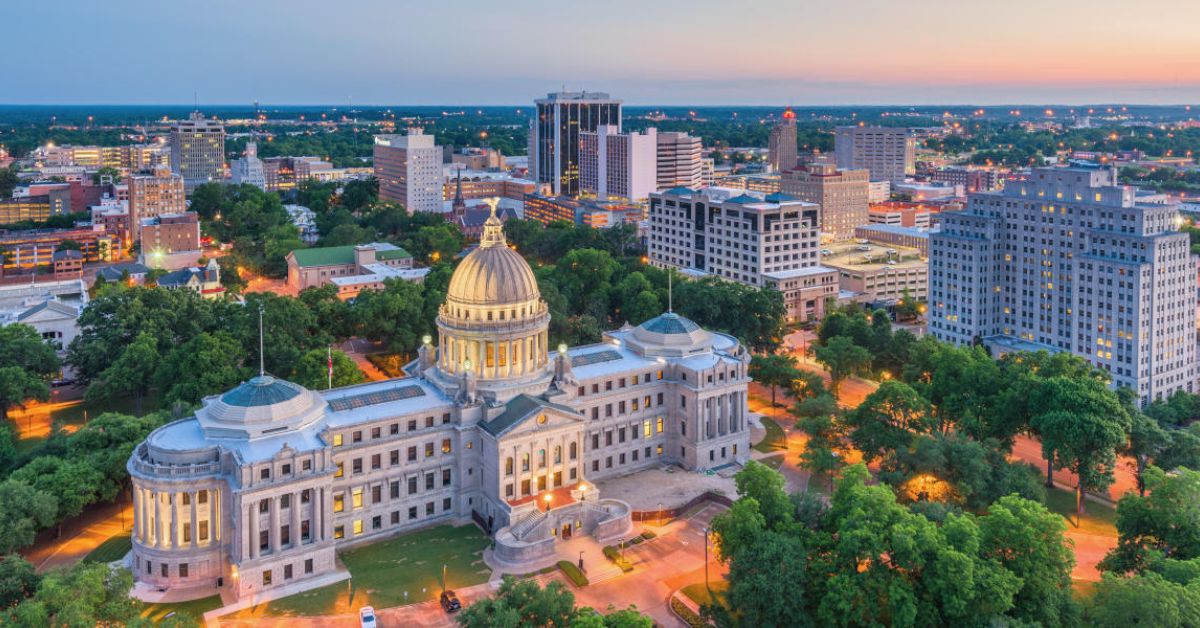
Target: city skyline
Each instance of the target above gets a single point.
(939, 54)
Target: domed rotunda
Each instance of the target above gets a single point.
(493, 325)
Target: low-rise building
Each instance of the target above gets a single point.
(171, 241)
(306, 221)
(52, 308)
(32, 248)
(896, 236)
(315, 267)
(205, 281)
(596, 214)
(902, 214)
(878, 273)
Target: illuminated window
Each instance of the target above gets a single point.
(646, 428)
(337, 440)
(358, 527)
(357, 498)
(660, 425)
(339, 472)
(339, 502)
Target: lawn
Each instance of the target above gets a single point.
(773, 461)
(195, 608)
(382, 572)
(1098, 519)
(706, 596)
(111, 550)
(775, 440)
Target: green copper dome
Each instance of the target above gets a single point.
(261, 391)
(670, 323)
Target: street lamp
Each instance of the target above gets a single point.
(549, 498)
(583, 487)
(660, 514)
(706, 557)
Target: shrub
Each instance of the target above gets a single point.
(614, 555)
(635, 540)
(686, 614)
(648, 535)
(577, 577)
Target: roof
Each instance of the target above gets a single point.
(113, 273)
(898, 230)
(744, 199)
(800, 272)
(263, 390)
(67, 254)
(51, 305)
(337, 255)
(680, 191)
(177, 278)
(779, 197)
(670, 323)
(518, 409)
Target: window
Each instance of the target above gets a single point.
(358, 527)
(340, 471)
(305, 496)
(263, 540)
(264, 474)
(394, 429)
(445, 477)
(557, 454)
(446, 504)
(395, 517)
(412, 425)
(285, 501)
(337, 440)
(646, 428)
(508, 490)
(395, 490)
(308, 565)
(412, 485)
(187, 534)
(376, 522)
(287, 572)
(394, 457)
(428, 450)
(445, 418)
(357, 466)
(429, 509)
(445, 445)
(428, 421)
(541, 458)
(524, 462)
(285, 535)
(412, 454)
(305, 530)
(374, 433)
(412, 513)
(263, 505)
(287, 469)
(375, 462)
(266, 578)
(183, 570)
(202, 531)
(659, 425)
(376, 494)
(573, 450)
(508, 466)
(339, 502)
(429, 481)
(525, 488)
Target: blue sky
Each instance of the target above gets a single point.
(668, 52)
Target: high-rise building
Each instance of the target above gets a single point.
(618, 165)
(889, 153)
(153, 195)
(752, 238)
(842, 195)
(197, 150)
(781, 145)
(409, 170)
(680, 161)
(249, 169)
(1069, 260)
(554, 136)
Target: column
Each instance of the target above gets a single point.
(139, 512)
(295, 524)
(193, 522)
(273, 518)
(253, 518)
(175, 532)
(158, 537)
(214, 519)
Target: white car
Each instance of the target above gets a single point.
(366, 617)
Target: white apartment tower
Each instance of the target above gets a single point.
(889, 153)
(555, 135)
(197, 150)
(618, 165)
(680, 161)
(1069, 260)
(249, 169)
(755, 239)
(409, 170)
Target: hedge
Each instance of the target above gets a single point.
(648, 535)
(686, 614)
(614, 555)
(577, 577)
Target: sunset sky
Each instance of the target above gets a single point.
(666, 52)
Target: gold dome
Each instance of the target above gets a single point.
(493, 274)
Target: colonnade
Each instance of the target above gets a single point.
(168, 519)
(320, 505)
(720, 415)
(492, 359)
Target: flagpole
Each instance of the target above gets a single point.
(329, 352)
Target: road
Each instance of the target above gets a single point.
(80, 535)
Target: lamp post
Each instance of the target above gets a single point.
(706, 558)
(583, 487)
(660, 514)
(549, 498)
(443, 577)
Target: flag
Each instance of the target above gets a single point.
(329, 352)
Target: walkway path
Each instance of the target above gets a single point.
(80, 536)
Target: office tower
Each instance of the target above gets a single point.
(618, 165)
(153, 195)
(781, 145)
(970, 179)
(889, 153)
(409, 170)
(554, 136)
(197, 150)
(680, 161)
(1068, 260)
(842, 195)
(752, 238)
(249, 169)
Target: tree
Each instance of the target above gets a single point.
(392, 315)
(17, 580)
(24, 511)
(73, 483)
(768, 583)
(1082, 425)
(106, 443)
(207, 364)
(1146, 441)
(347, 234)
(88, 594)
(842, 358)
(818, 419)
(766, 486)
(1027, 540)
(1162, 523)
(132, 373)
(28, 361)
(888, 419)
(1145, 600)
(313, 370)
(521, 603)
(774, 370)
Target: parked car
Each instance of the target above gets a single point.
(450, 602)
(366, 617)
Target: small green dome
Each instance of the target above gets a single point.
(261, 391)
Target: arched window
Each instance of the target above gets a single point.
(524, 462)
(557, 454)
(541, 458)
(508, 466)
(573, 450)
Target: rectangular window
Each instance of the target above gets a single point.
(358, 527)
(445, 477)
(646, 428)
(202, 531)
(412, 513)
(446, 505)
(306, 465)
(357, 466)
(376, 462)
(308, 565)
(394, 429)
(266, 578)
(305, 530)
(395, 517)
(429, 509)
(285, 535)
(339, 502)
(183, 570)
(287, 572)
(376, 494)
(337, 440)
(428, 450)
(412, 454)
(376, 522)
(394, 457)
(264, 474)
(340, 471)
(445, 445)
(395, 490)
(659, 425)
(429, 481)
(374, 433)
(187, 533)
(412, 485)
(412, 425)
(358, 436)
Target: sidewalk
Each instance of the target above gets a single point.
(80, 536)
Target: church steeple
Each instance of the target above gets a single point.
(459, 204)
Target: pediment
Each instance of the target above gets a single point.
(527, 414)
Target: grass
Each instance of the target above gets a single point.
(195, 608)
(775, 440)
(773, 461)
(382, 572)
(707, 596)
(1099, 519)
(111, 550)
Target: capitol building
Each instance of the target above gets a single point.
(266, 482)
